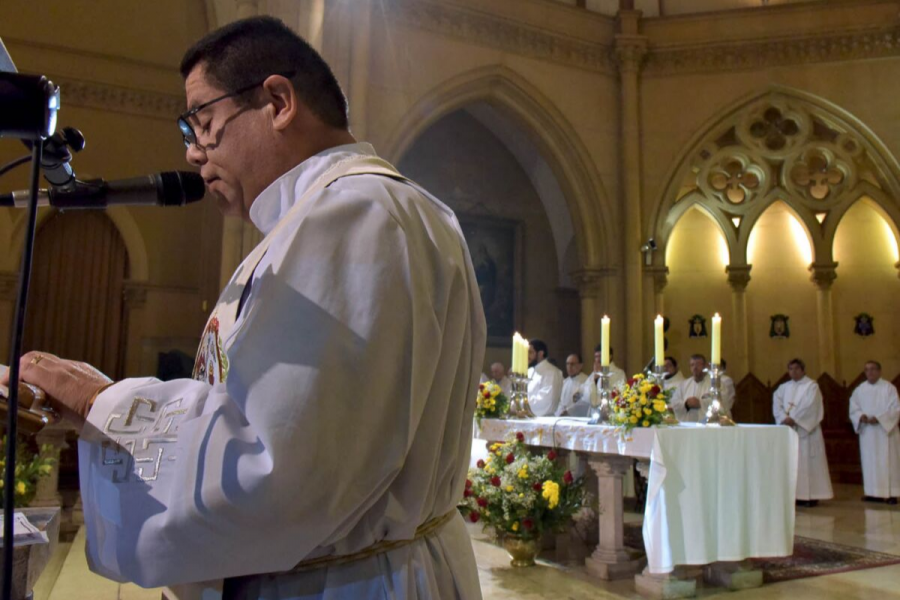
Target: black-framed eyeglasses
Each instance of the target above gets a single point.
(187, 130)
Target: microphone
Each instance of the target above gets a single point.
(171, 188)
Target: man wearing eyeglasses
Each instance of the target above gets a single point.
(277, 469)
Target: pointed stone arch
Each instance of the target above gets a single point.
(558, 142)
(784, 145)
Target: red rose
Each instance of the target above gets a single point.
(551, 455)
(615, 394)
(527, 524)
(538, 486)
(510, 458)
(495, 481)
(480, 386)
(631, 382)
(467, 492)
(520, 436)
(654, 390)
(567, 478)
(480, 464)
(474, 516)
(486, 394)
(482, 502)
(468, 483)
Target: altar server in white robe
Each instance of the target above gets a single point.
(499, 376)
(274, 463)
(571, 391)
(673, 376)
(691, 399)
(875, 412)
(545, 381)
(798, 403)
(591, 387)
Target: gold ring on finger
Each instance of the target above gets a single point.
(38, 358)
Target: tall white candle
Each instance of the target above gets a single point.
(659, 350)
(604, 341)
(515, 352)
(716, 357)
(523, 356)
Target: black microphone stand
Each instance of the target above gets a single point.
(9, 476)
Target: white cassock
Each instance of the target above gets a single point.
(802, 401)
(571, 393)
(672, 381)
(879, 445)
(691, 388)
(544, 388)
(277, 456)
(505, 385)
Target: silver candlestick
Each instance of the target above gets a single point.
(715, 414)
(600, 407)
(519, 406)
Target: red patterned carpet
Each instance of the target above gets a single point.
(813, 557)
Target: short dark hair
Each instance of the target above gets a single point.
(577, 355)
(672, 360)
(698, 357)
(539, 346)
(246, 51)
(874, 362)
(599, 348)
(799, 363)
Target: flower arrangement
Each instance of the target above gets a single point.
(639, 403)
(29, 468)
(491, 402)
(519, 494)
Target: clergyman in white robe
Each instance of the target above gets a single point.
(879, 443)
(691, 388)
(544, 388)
(571, 394)
(288, 458)
(672, 380)
(802, 401)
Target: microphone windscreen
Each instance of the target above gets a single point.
(177, 188)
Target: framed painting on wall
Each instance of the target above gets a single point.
(496, 248)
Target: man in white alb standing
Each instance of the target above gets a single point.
(274, 470)
(571, 392)
(690, 400)
(798, 403)
(673, 376)
(875, 412)
(544, 380)
(499, 376)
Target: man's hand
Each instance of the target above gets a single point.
(69, 384)
(789, 422)
(872, 420)
(692, 402)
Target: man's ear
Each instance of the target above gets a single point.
(283, 101)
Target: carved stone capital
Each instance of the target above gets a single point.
(823, 274)
(8, 283)
(660, 276)
(738, 276)
(630, 51)
(135, 294)
(589, 280)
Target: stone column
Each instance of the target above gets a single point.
(630, 49)
(611, 560)
(739, 362)
(658, 276)
(593, 305)
(51, 441)
(823, 275)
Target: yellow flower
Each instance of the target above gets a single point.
(509, 488)
(20, 488)
(647, 411)
(522, 495)
(499, 452)
(660, 406)
(515, 526)
(646, 423)
(45, 469)
(632, 420)
(523, 472)
(643, 400)
(551, 493)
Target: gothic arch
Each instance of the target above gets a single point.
(138, 262)
(781, 145)
(557, 141)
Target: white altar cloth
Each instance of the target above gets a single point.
(714, 493)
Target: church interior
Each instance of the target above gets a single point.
(620, 158)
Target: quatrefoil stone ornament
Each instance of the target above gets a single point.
(734, 181)
(818, 176)
(773, 129)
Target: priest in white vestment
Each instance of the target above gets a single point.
(590, 389)
(571, 392)
(274, 470)
(673, 376)
(544, 380)
(798, 403)
(499, 376)
(875, 412)
(691, 398)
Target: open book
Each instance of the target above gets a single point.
(24, 533)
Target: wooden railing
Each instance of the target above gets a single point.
(754, 405)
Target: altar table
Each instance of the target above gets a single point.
(714, 493)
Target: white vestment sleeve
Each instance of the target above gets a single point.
(292, 453)
(677, 402)
(728, 394)
(889, 415)
(778, 404)
(809, 411)
(856, 410)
